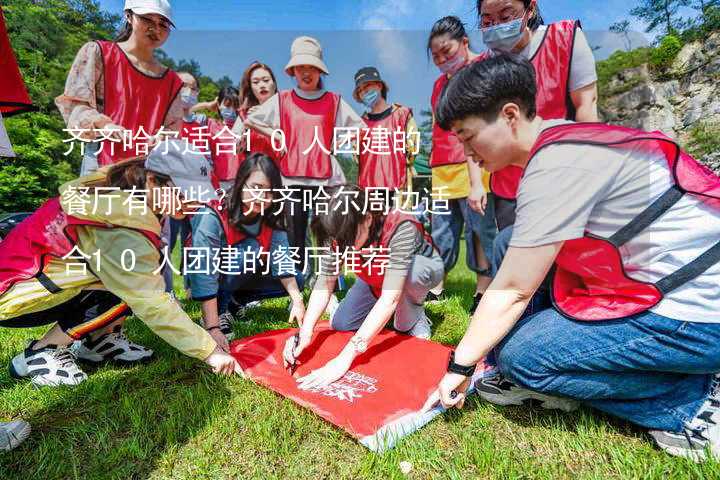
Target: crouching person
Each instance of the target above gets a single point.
(246, 234)
(631, 224)
(86, 271)
(396, 291)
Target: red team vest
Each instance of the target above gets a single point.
(298, 119)
(380, 169)
(446, 148)
(49, 232)
(133, 99)
(235, 235)
(224, 154)
(260, 143)
(590, 280)
(371, 274)
(552, 63)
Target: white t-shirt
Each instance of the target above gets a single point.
(269, 114)
(5, 146)
(567, 190)
(582, 65)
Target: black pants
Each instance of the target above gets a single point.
(81, 315)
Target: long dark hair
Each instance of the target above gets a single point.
(247, 97)
(126, 30)
(450, 25)
(533, 23)
(339, 226)
(274, 214)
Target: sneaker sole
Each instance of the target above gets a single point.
(545, 402)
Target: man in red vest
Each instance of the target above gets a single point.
(630, 223)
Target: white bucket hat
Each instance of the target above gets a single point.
(306, 51)
(143, 7)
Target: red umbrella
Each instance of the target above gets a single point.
(13, 95)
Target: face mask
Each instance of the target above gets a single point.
(504, 37)
(228, 114)
(453, 65)
(188, 98)
(370, 99)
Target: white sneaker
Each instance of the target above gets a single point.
(422, 328)
(113, 346)
(499, 390)
(49, 366)
(225, 323)
(13, 434)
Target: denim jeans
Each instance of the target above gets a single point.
(447, 228)
(648, 369)
(425, 274)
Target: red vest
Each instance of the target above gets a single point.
(298, 120)
(133, 100)
(370, 273)
(260, 143)
(223, 150)
(49, 232)
(590, 281)
(446, 148)
(552, 64)
(235, 235)
(381, 169)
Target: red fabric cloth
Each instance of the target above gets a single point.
(13, 95)
(389, 382)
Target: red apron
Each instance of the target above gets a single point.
(552, 63)
(13, 95)
(223, 150)
(260, 143)
(133, 100)
(298, 120)
(446, 148)
(590, 281)
(380, 169)
(370, 272)
(49, 232)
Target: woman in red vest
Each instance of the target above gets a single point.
(86, 265)
(567, 84)
(118, 94)
(630, 224)
(305, 117)
(396, 265)
(257, 86)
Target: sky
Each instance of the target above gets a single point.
(224, 36)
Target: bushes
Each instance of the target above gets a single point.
(664, 55)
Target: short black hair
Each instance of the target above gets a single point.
(484, 87)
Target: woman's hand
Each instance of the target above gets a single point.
(450, 392)
(331, 372)
(224, 364)
(291, 351)
(477, 200)
(220, 339)
(297, 312)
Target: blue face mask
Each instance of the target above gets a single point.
(228, 114)
(504, 37)
(370, 98)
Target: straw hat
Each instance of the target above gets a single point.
(306, 51)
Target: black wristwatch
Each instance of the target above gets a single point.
(459, 369)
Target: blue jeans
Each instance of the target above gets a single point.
(447, 228)
(651, 370)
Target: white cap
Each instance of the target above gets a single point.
(143, 7)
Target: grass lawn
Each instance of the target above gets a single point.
(171, 418)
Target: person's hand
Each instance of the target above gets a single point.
(477, 200)
(297, 312)
(450, 392)
(222, 363)
(331, 372)
(220, 339)
(291, 352)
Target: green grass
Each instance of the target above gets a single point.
(171, 418)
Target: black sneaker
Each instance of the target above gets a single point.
(49, 366)
(499, 390)
(476, 302)
(700, 437)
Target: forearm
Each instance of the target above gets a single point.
(319, 299)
